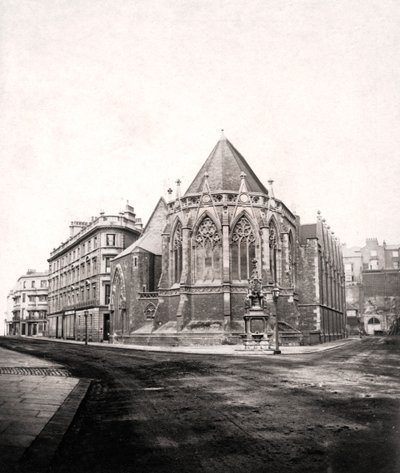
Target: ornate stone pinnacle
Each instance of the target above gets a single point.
(169, 191)
(242, 175)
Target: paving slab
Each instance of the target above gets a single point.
(38, 401)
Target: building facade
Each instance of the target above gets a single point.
(372, 287)
(27, 305)
(79, 275)
(380, 300)
(185, 280)
(321, 285)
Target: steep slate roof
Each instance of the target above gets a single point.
(224, 166)
(150, 240)
(308, 230)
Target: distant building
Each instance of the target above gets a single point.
(353, 268)
(27, 305)
(372, 286)
(185, 280)
(79, 275)
(380, 299)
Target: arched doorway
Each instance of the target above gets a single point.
(373, 326)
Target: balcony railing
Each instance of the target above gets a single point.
(82, 305)
(36, 317)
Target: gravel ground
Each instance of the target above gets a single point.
(335, 411)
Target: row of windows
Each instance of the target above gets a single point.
(84, 294)
(374, 253)
(85, 247)
(30, 313)
(37, 314)
(41, 298)
(208, 251)
(43, 284)
(83, 271)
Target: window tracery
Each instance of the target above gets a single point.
(207, 251)
(150, 311)
(273, 246)
(242, 249)
(177, 253)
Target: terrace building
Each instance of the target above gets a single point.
(27, 305)
(79, 275)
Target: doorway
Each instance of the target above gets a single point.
(374, 325)
(106, 327)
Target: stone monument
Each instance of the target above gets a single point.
(256, 321)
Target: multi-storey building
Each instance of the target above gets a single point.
(372, 286)
(353, 268)
(392, 259)
(27, 302)
(79, 275)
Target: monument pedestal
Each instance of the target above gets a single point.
(257, 330)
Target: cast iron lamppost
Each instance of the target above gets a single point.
(86, 313)
(275, 296)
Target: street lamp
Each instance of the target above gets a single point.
(86, 313)
(275, 297)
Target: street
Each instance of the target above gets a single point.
(334, 411)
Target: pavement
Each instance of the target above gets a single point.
(231, 350)
(38, 401)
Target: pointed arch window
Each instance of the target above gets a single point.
(177, 253)
(243, 249)
(207, 251)
(291, 258)
(118, 298)
(273, 247)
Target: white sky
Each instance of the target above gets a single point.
(108, 100)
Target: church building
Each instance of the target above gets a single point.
(184, 281)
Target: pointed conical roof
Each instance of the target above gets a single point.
(224, 166)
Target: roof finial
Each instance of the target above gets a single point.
(223, 137)
(178, 189)
(242, 175)
(271, 189)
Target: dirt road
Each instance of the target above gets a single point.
(337, 411)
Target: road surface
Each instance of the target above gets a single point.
(335, 411)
